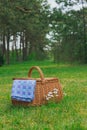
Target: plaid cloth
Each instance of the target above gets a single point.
(23, 90)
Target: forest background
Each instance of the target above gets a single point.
(32, 30)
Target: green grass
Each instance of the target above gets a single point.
(69, 114)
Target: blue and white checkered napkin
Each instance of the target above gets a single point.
(23, 90)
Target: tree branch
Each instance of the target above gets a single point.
(23, 9)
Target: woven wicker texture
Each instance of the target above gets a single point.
(44, 88)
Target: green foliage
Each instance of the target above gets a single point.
(32, 56)
(69, 114)
(27, 19)
(69, 32)
(31, 21)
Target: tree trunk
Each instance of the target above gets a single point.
(4, 47)
(12, 54)
(14, 40)
(26, 46)
(20, 50)
(23, 46)
(8, 56)
(84, 34)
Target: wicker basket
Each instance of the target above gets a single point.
(44, 88)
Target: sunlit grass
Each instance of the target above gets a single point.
(69, 114)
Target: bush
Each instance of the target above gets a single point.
(1, 60)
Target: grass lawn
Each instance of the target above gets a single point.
(69, 114)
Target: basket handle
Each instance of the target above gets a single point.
(39, 70)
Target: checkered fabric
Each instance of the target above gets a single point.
(23, 90)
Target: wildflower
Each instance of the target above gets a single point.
(56, 95)
(55, 89)
(55, 92)
(51, 96)
(47, 98)
(50, 93)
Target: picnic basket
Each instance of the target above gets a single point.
(46, 88)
